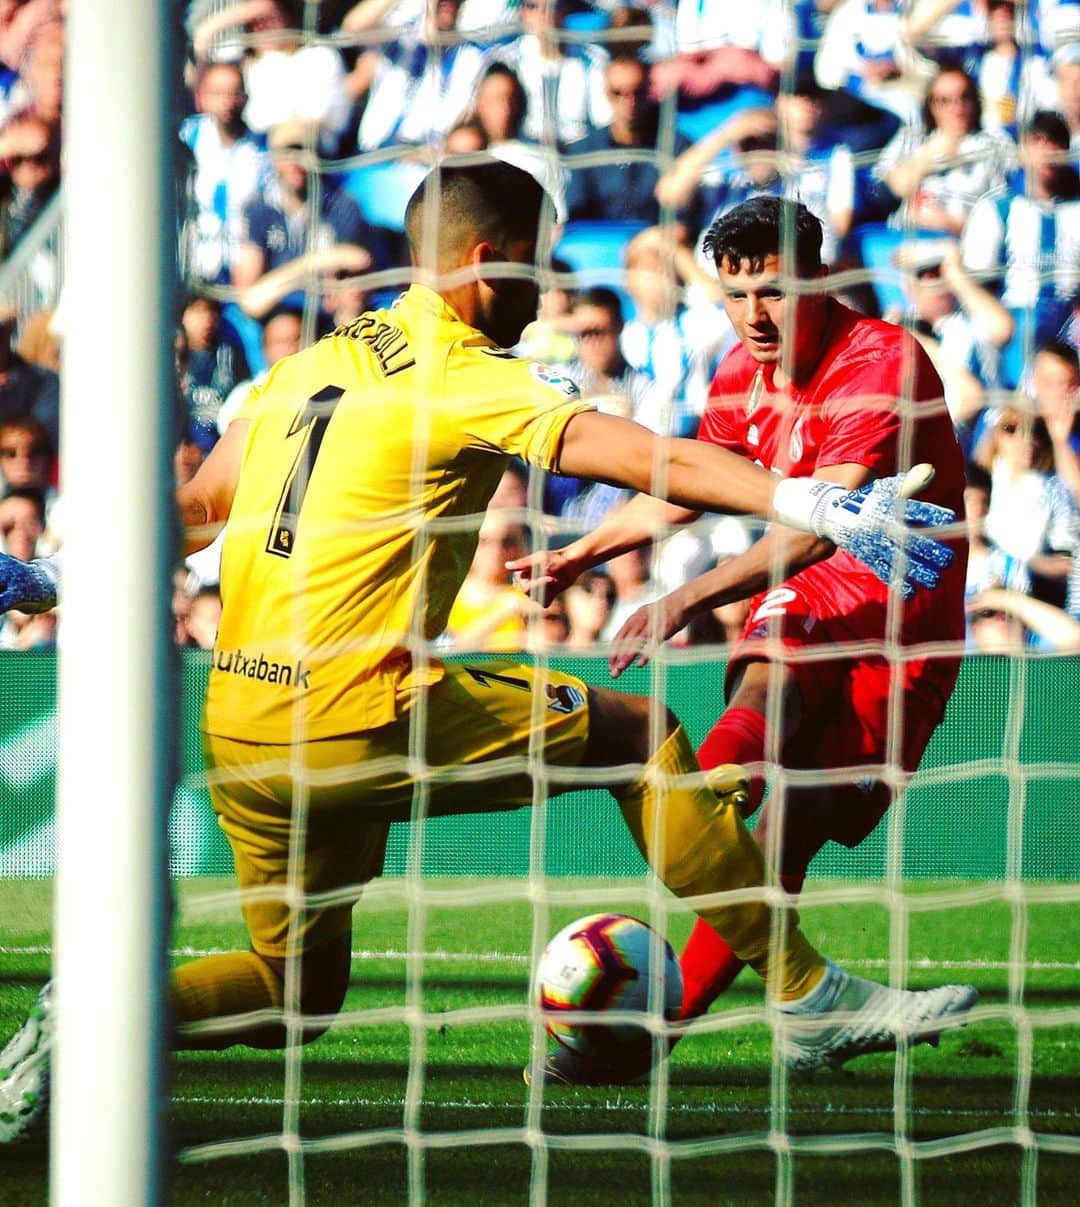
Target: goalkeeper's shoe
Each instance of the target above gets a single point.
(731, 783)
(24, 1071)
(846, 1016)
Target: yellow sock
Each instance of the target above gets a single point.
(702, 846)
(237, 982)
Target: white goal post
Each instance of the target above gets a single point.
(115, 681)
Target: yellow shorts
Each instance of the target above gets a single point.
(470, 743)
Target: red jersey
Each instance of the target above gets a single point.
(875, 400)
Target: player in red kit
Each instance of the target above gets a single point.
(864, 674)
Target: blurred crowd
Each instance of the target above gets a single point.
(936, 140)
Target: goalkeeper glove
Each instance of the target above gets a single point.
(28, 586)
(874, 524)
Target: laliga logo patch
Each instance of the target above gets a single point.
(549, 377)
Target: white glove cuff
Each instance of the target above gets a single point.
(49, 567)
(800, 502)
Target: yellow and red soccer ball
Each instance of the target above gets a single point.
(606, 965)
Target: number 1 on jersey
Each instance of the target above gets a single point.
(310, 423)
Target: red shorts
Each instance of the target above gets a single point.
(861, 708)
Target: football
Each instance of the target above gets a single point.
(601, 964)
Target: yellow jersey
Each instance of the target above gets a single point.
(367, 463)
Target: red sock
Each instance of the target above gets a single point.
(709, 965)
(738, 737)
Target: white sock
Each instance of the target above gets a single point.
(822, 996)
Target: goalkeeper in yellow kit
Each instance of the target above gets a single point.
(352, 481)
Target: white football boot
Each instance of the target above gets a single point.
(24, 1071)
(845, 1016)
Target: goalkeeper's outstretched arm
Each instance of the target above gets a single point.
(204, 503)
(692, 476)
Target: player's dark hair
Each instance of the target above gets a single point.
(494, 201)
(607, 299)
(756, 229)
(31, 494)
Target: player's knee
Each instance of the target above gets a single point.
(622, 728)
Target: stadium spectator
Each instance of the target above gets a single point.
(213, 362)
(29, 181)
(22, 528)
(588, 608)
(467, 137)
(424, 83)
(1054, 386)
(1032, 516)
(283, 225)
(632, 577)
(675, 343)
(187, 457)
(40, 92)
(961, 325)
(564, 85)
(1066, 93)
(490, 613)
(1011, 79)
(617, 186)
(22, 522)
(604, 379)
(938, 170)
(500, 104)
(549, 337)
(21, 22)
(286, 78)
(26, 389)
(282, 335)
(988, 567)
(947, 32)
(735, 161)
(231, 167)
(1004, 621)
(718, 53)
(343, 297)
(28, 462)
(863, 51)
(781, 154)
(1028, 242)
(39, 338)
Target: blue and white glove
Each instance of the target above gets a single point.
(28, 586)
(874, 524)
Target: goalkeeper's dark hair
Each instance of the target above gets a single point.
(495, 201)
(760, 228)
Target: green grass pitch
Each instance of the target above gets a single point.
(369, 1129)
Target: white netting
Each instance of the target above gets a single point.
(993, 808)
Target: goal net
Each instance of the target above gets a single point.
(644, 124)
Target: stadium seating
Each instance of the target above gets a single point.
(382, 190)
